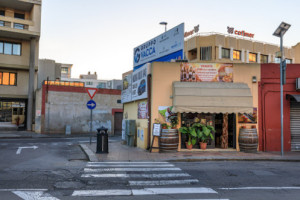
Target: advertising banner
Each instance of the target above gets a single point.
(139, 83)
(206, 72)
(248, 117)
(167, 43)
(126, 90)
(142, 110)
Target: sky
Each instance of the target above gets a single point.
(100, 35)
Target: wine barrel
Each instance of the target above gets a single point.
(168, 141)
(248, 140)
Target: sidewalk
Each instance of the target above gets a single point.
(119, 152)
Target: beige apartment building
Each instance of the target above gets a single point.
(20, 25)
(220, 48)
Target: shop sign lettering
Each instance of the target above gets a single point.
(231, 30)
(195, 30)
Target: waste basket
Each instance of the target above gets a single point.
(102, 140)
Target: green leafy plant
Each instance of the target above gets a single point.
(204, 132)
(173, 120)
(165, 126)
(191, 132)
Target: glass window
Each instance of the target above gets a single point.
(2, 12)
(2, 23)
(7, 48)
(205, 53)
(19, 26)
(252, 57)
(5, 78)
(225, 53)
(288, 61)
(17, 49)
(1, 47)
(12, 79)
(64, 70)
(236, 55)
(19, 16)
(263, 59)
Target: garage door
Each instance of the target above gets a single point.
(295, 125)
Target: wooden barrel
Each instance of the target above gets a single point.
(169, 140)
(248, 140)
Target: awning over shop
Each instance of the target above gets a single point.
(212, 97)
(294, 96)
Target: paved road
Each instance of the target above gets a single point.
(58, 170)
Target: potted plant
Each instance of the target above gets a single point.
(174, 121)
(204, 133)
(192, 135)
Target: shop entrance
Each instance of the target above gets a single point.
(12, 113)
(215, 120)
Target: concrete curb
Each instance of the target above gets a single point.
(231, 159)
(91, 156)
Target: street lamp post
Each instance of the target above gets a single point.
(165, 24)
(279, 32)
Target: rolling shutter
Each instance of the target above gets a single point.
(295, 125)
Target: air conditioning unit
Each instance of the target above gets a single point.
(298, 84)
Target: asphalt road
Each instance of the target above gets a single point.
(58, 170)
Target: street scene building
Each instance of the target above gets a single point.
(20, 26)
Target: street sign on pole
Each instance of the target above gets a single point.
(91, 104)
(91, 92)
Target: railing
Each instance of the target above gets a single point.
(15, 23)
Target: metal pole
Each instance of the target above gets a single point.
(91, 126)
(281, 91)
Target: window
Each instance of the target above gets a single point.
(19, 26)
(236, 55)
(119, 101)
(10, 48)
(288, 61)
(2, 23)
(205, 53)
(8, 78)
(252, 57)
(192, 54)
(64, 70)
(225, 53)
(89, 83)
(2, 12)
(263, 59)
(19, 16)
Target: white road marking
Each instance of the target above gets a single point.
(262, 188)
(132, 165)
(131, 169)
(145, 191)
(128, 162)
(20, 148)
(170, 175)
(90, 193)
(31, 195)
(163, 182)
(10, 190)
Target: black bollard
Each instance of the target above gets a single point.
(102, 140)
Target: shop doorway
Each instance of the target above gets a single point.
(215, 120)
(118, 123)
(12, 113)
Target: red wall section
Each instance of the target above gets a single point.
(269, 106)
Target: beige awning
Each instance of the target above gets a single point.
(212, 97)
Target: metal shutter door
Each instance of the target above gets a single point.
(295, 126)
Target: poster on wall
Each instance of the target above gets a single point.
(248, 117)
(167, 43)
(126, 90)
(142, 110)
(206, 72)
(139, 83)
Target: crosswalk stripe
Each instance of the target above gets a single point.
(163, 182)
(128, 162)
(31, 195)
(169, 175)
(262, 188)
(131, 169)
(134, 165)
(145, 191)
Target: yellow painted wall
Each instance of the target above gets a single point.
(243, 73)
(131, 112)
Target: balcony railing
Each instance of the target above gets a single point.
(15, 24)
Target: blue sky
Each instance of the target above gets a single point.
(98, 35)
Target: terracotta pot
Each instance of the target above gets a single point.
(189, 147)
(203, 145)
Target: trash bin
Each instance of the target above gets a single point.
(102, 140)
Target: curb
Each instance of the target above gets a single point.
(232, 159)
(91, 156)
